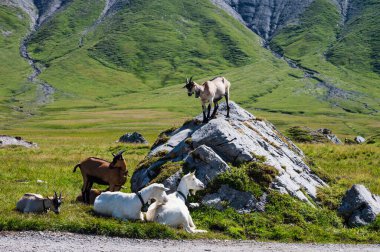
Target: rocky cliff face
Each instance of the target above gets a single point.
(265, 17)
(37, 10)
(211, 148)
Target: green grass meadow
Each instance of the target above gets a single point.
(128, 76)
(64, 142)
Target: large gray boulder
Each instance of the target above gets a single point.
(208, 148)
(359, 206)
(206, 163)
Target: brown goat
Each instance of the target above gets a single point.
(96, 170)
(93, 194)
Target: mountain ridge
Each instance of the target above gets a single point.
(137, 52)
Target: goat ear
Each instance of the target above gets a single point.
(113, 155)
(187, 80)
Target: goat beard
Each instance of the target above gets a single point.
(192, 191)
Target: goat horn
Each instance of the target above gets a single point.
(113, 155)
(60, 194)
(191, 78)
(120, 152)
(55, 194)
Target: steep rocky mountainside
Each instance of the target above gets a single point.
(354, 28)
(266, 17)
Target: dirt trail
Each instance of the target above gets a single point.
(60, 241)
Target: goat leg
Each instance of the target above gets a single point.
(228, 106)
(204, 114)
(216, 106)
(209, 110)
(88, 191)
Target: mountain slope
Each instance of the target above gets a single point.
(14, 25)
(160, 47)
(358, 44)
(107, 55)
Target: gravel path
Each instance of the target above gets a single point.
(59, 241)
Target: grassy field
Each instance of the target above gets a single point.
(67, 141)
(121, 81)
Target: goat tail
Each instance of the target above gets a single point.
(75, 168)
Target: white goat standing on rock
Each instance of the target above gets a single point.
(128, 205)
(175, 213)
(211, 91)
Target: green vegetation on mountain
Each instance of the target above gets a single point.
(13, 69)
(133, 58)
(358, 43)
(312, 35)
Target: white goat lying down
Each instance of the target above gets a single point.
(175, 213)
(128, 205)
(36, 203)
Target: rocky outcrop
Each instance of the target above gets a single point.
(134, 137)
(37, 10)
(26, 6)
(206, 163)
(265, 17)
(242, 138)
(307, 135)
(242, 202)
(15, 141)
(359, 206)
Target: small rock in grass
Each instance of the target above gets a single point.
(134, 137)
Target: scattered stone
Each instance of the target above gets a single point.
(39, 181)
(242, 202)
(15, 141)
(359, 139)
(307, 135)
(359, 206)
(329, 135)
(208, 148)
(134, 137)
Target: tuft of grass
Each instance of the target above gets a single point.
(166, 170)
(163, 137)
(330, 197)
(261, 173)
